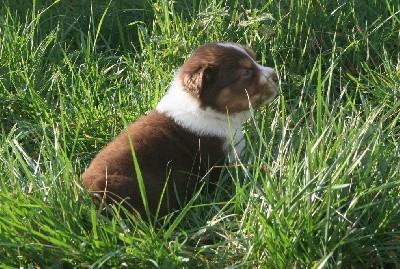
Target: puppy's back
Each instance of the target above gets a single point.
(165, 151)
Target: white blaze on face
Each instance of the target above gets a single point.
(265, 71)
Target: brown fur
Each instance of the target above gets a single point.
(214, 74)
(164, 150)
(221, 78)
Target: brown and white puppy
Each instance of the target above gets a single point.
(190, 131)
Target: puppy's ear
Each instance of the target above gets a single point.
(198, 81)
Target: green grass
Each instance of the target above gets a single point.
(320, 184)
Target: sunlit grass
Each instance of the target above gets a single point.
(320, 182)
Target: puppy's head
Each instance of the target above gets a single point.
(226, 76)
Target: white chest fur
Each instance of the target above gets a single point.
(185, 110)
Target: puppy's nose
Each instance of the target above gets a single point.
(274, 77)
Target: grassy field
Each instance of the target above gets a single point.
(320, 184)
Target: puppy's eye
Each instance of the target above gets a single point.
(247, 72)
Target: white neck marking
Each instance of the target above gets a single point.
(185, 110)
